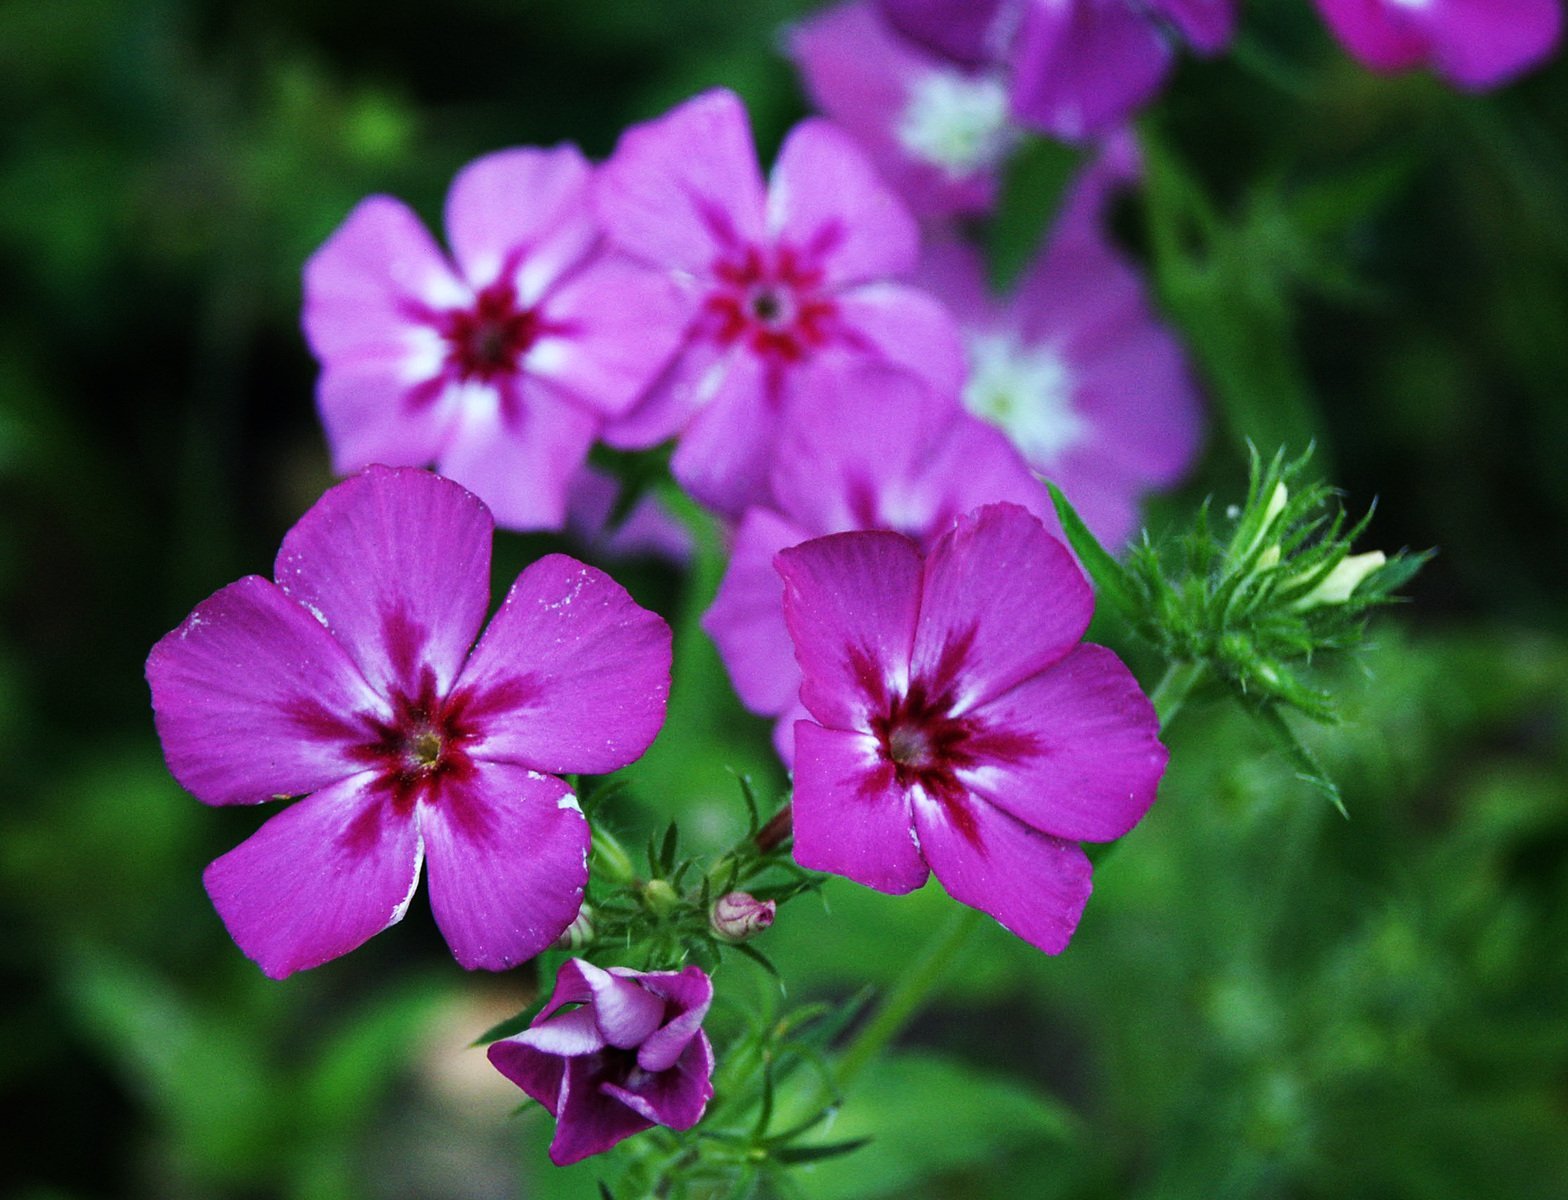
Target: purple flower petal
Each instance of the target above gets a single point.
(850, 815)
(685, 185)
(873, 447)
(826, 199)
(619, 325)
(1098, 759)
(907, 327)
(850, 603)
(362, 282)
(539, 1073)
(522, 215)
(1082, 67)
(318, 879)
(677, 1094)
(520, 457)
(255, 700)
(1002, 600)
(722, 458)
(689, 992)
(964, 30)
(373, 413)
(623, 1010)
(396, 563)
(688, 382)
(567, 1035)
(588, 1121)
(1206, 24)
(571, 675)
(746, 619)
(1035, 885)
(508, 853)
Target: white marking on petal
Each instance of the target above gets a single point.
(956, 122)
(1027, 391)
(424, 354)
(569, 801)
(401, 908)
(317, 613)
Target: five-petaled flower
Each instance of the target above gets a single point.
(958, 727)
(501, 364)
(350, 681)
(780, 280)
(630, 1055)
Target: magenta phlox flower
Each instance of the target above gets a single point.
(875, 448)
(1076, 68)
(628, 1054)
(350, 682)
(957, 727)
(499, 364)
(781, 279)
(937, 130)
(1475, 44)
(1074, 364)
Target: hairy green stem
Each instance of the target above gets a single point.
(1173, 688)
(905, 1000)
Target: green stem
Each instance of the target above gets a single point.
(610, 860)
(905, 1000)
(1173, 688)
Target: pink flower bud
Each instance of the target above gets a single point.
(739, 916)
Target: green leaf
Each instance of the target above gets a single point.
(805, 1154)
(1111, 581)
(1308, 769)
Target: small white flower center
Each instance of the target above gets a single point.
(1028, 392)
(956, 122)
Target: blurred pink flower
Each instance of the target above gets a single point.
(630, 1056)
(1074, 364)
(1476, 44)
(780, 280)
(957, 726)
(350, 682)
(938, 131)
(1078, 68)
(500, 364)
(874, 448)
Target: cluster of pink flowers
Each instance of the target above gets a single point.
(846, 393)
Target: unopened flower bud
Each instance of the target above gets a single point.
(579, 934)
(737, 916)
(659, 896)
(1338, 584)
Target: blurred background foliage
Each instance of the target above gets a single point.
(1264, 998)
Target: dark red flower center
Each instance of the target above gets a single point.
(490, 337)
(424, 742)
(771, 300)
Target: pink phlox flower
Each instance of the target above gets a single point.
(1074, 364)
(956, 725)
(350, 682)
(782, 279)
(630, 1054)
(874, 448)
(937, 130)
(1077, 68)
(1475, 44)
(499, 364)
